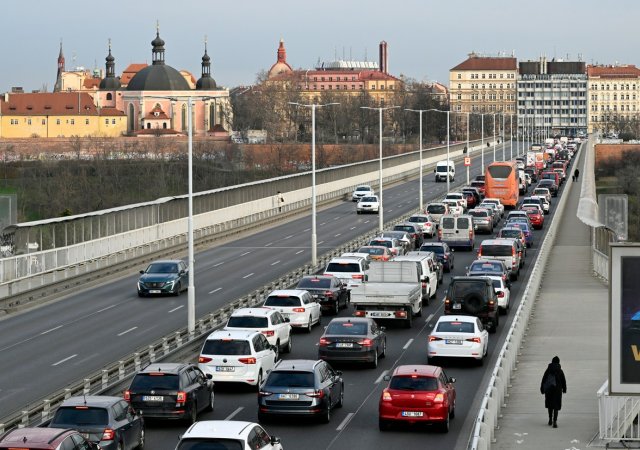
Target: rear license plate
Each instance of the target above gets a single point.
(453, 341)
(457, 306)
(344, 345)
(152, 398)
(380, 314)
(288, 396)
(316, 296)
(225, 368)
(412, 413)
(155, 291)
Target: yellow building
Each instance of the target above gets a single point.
(484, 84)
(58, 114)
(613, 96)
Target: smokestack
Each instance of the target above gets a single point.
(383, 57)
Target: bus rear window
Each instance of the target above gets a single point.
(500, 172)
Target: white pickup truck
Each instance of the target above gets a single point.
(393, 291)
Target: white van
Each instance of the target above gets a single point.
(444, 169)
(429, 277)
(457, 231)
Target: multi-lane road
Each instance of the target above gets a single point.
(57, 343)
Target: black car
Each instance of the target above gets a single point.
(301, 387)
(415, 231)
(353, 339)
(443, 252)
(171, 391)
(473, 296)
(331, 293)
(549, 184)
(107, 421)
(533, 173)
(164, 277)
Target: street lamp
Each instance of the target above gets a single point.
(503, 133)
(380, 207)
(420, 198)
(511, 136)
(314, 235)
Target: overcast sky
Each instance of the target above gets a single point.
(425, 38)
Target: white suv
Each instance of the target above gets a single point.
(299, 306)
(497, 202)
(267, 321)
(362, 191)
(351, 270)
(228, 434)
(237, 356)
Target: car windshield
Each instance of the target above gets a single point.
(448, 223)
(82, 415)
(455, 327)
(478, 213)
(463, 222)
(210, 444)
(162, 268)
(347, 328)
(371, 251)
(335, 267)
(314, 283)
(369, 199)
(432, 248)
(485, 266)
(404, 228)
(463, 288)
(157, 381)
(496, 250)
(418, 219)
(226, 347)
(248, 322)
(497, 284)
(291, 378)
(441, 168)
(363, 188)
(282, 301)
(500, 172)
(511, 234)
(413, 383)
(436, 209)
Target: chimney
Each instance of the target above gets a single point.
(383, 57)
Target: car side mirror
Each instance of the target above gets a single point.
(452, 380)
(339, 373)
(275, 440)
(182, 272)
(386, 378)
(452, 250)
(209, 376)
(287, 320)
(142, 271)
(383, 328)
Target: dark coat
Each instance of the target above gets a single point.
(553, 398)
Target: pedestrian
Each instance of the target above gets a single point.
(576, 174)
(280, 200)
(553, 385)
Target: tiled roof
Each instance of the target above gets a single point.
(111, 112)
(487, 63)
(627, 71)
(130, 72)
(91, 83)
(56, 103)
(151, 115)
(361, 75)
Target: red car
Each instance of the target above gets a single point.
(535, 217)
(479, 185)
(417, 394)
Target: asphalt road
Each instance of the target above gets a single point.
(62, 341)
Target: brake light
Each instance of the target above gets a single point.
(480, 252)
(359, 313)
(204, 359)
(182, 397)
(250, 360)
(268, 333)
(328, 294)
(298, 309)
(386, 396)
(366, 342)
(315, 394)
(439, 398)
(473, 339)
(424, 285)
(447, 302)
(434, 338)
(127, 395)
(400, 313)
(513, 251)
(501, 294)
(357, 276)
(470, 234)
(428, 224)
(108, 435)
(324, 342)
(439, 233)
(491, 305)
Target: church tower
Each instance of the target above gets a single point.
(58, 86)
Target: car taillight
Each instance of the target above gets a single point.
(250, 360)
(268, 333)
(204, 359)
(470, 234)
(428, 224)
(400, 313)
(447, 302)
(491, 305)
(439, 398)
(434, 338)
(365, 342)
(445, 257)
(127, 395)
(424, 285)
(328, 294)
(359, 314)
(357, 277)
(480, 252)
(108, 434)
(386, 396)
(315, 394)
(473, 339)
(181, 397)
(501, 294)
(513, 251)
(439, 233)
(298, 309)
(324, 342)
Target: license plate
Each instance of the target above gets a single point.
(453, 341)
(288, 396)
(155, 291)
(344, 345)
(412, 413)
(152, 398)
(457, 306)
(380, 314)
(225, 368)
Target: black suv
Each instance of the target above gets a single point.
(171, 391)
(473, 296)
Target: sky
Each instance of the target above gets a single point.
(425, 38)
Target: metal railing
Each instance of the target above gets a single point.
(618, 416)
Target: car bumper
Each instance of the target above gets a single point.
(367, 209)
(165, 290)
(464, 350)
(434, 414)
(161, 413)
(347, 355)
(249, 376)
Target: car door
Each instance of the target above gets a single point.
(484, 334)
(448, 386)
(264, 354)
(200, 387)
(375, 335)
(136, 425)
(314, 306)
(281, 328)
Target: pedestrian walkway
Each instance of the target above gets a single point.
(569, 320)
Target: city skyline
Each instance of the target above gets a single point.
(242, 40)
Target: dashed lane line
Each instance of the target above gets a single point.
(215, 290)
(176, 308)
(127, 331)
(64, 360)
(233, 414)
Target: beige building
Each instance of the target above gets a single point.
(613, 96)
(484, 84)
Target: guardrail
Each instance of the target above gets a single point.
(117, 372)
(482, 435)
(618, 416)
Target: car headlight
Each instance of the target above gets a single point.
(170, 283)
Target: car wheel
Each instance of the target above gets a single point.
(287, 348)
(480, 361)
(262, 418)
(119, 446)
(141, 438)
(383, 425)
(340, 403)
(140, 294)
(374, 363)
(444, 427)
(326, 417)
(409, 320)
(259, 383)
(277, 349)
(211, 401)
(177, 289)
(452, 413)
(336, 309)
(384, 349)
(192, 416)
(309, 325)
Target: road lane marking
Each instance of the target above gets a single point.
(299, 251)
(289, 237)
(429, 318)
(344, 422)
(306, 229)
(274, 263)
(52, 329)
(219, 264)
(267, 245)
(336, 218)
(352, 228)
(215, 290)
(321, 242)
(176, 308)
(389, 210)
(64, 360)
(104, 309)
(247, 276)
(381, 377)
(337, 234)
(233, 414)
(127, 331)
(406, 346)
(245, 253)
(367, 221)
(323, 223)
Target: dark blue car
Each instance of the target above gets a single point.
(443, 253)
(169, 277)
(528, 233)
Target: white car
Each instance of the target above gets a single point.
(458, 337)
(503, 292)
(237, 356)
(427, 223)
(455, 207)
(267, 321)
(362, 191)
(227, 434)
(543, 192)
(457, 196)
(369, 204)
(302, 310)
(497, 202)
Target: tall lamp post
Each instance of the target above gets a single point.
(504, 157)
(380, 208)
(494, 136)
(420, 197)
(448, 141)
(314, 235)
(510, 136)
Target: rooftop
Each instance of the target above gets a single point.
(475, 62)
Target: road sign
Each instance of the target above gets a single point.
(467, 161)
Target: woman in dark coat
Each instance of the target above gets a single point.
(553, 385)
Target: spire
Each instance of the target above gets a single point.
(206, 82)
(111, 65)
(61, 68)
(157, 53)
(282, 53)
(110, 81)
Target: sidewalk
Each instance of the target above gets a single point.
(570, 320)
